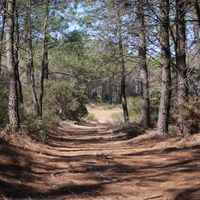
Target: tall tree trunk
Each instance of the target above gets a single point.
(145, 109)
(123, 97)
(46, 38)
(2, 31)
(13, 99)
(180, 46)
(103, 91)
(164, 109)
(30, 66)
(110, 91)
(123, 70)
(44, 72)
(16, 58)
(196, 30)
(197, 7)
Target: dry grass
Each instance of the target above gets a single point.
(103, 114)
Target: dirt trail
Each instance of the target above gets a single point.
(89, 162)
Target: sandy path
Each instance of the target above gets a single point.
(87, 162)
(104, 115)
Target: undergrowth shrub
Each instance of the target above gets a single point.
(61, 101)
(3, 104)
(154, 104)
(131, 129)
(36, 128)
(134, 108)
(31, 125)
(64, 100)
(190, 113)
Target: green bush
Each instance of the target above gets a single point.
(36, 128)
(64, 100)
(190, 114)
(134, 108)
(154, 104)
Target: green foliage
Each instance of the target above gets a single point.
(134, 108)
(190, 113)
(64, 100)
(154, 104)
(74, 55)
(51, 120)
(36, 128)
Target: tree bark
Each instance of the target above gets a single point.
(197, 7)
(45, 45)
(103, 91)
(180, 46)
(110, 91)
(30, 66)
(145, 109)
(164, 109)
(196, 30)
(16, 57)
(2, 31)
(13, 99)
(44, 71)
(123, 71)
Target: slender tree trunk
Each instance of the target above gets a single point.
(110, 91)
(196, 30)
(46, 38)
(13, 99)
(181, 60)
(88, 90)
(103, 91)
(17, 41)
(164, 109)
(30, 66)
(197, 7)
(2, 32)
(44, 72)
(123, 71)
(123, 97)
(145, 110)
(29, 55)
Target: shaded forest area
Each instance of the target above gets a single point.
(106, 51)
(55, 52)
(64, 61)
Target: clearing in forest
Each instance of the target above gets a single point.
(106, 113)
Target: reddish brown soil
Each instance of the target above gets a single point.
(89, 162)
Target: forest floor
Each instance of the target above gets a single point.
(89, 162)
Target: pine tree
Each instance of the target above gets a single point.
(13, 98)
